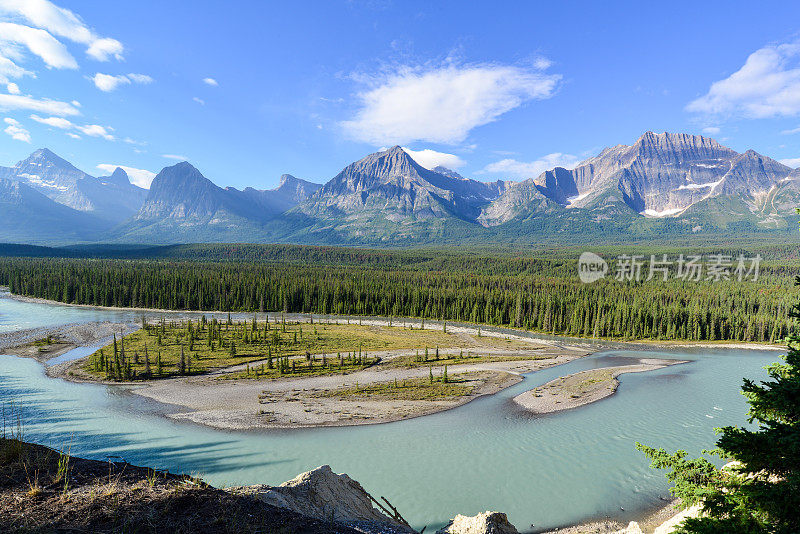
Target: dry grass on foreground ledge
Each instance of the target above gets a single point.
(42, 490)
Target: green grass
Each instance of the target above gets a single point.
(461, 358)
(304, 367)
(412, 389)
(297, 342)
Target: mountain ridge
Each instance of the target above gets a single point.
(58, 179)
(663, 183)
(659, 175)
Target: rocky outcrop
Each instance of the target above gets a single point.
(669, 525)
(485, 523)
(632, 528)
(327, 496)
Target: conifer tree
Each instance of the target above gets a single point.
(759, 492)
(146, 363)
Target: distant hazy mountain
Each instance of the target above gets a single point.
(113, 198)
(28, 216)
(290, 192)
(661, 175)
(182, 204)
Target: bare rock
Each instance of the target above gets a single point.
(485, 523)
(632, 528)
(325, 495)
(671, 524)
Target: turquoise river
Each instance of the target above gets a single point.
(486, 455)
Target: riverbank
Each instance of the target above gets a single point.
(211, 399)
(585, 387)
(248, 404)
(417, 322)
(398, 387)
(648, 522)
(46, 343)
(390, 456)
(43, 490)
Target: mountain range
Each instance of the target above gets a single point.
(667, 184)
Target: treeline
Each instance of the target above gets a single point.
(543, 295)
(448, 258)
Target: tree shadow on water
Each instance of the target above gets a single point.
(116, 434)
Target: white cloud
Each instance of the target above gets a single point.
(22, 102)
(55, 122)
(531, 169)
(711, 130)
(210, 81)
(791, 162)
(63, 23)
(199, 101)
(141, 177)
(13, 89)
(792, 131)
(443, 105)
(39, 42)
(92, 130)
(767, 85)
(102, 49)
(109, 82)
(174, 156)
(140, 78)
(430, 158)
(74, 136)
(10, 70)
(16, 131)
(95, 130)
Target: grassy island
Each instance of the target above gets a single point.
(275, 349)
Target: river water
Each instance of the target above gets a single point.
(486, 455)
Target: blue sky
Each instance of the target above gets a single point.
(247, 91)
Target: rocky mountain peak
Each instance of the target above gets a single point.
(660, 175)
(46, 154)
(373, 170)
(680, 145)
(450, 173)
(180, 176)
(119, 177)
(287, 180)
(44, 159)
(292, 190)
